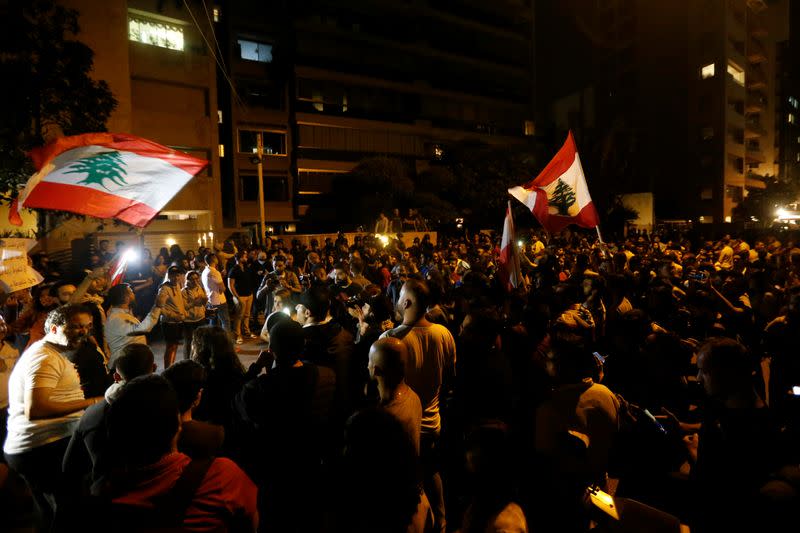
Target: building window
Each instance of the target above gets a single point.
(274, 142)
(798, 140)
(707, 133)
(734, 193)
(276, 188)
(530, 129)
(217, 13)
(155, 33)
(255, 51)
(793, 102)
(707, 71)
(221, 150)
(219, 116)
(736, 72)
(790, 118)
(798, 157)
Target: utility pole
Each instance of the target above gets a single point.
(260, 152)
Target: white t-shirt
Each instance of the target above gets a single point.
(40, 366)
(431, 355)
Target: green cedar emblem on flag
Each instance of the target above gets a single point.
(100, 167)
(563, 198)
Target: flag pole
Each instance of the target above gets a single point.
(599, 235)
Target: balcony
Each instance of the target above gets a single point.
(755, 52)
(753, 130)
(756, 78)
(755, 154)
(756, 26)
(756, 102)
(756, 6)
(754, 181)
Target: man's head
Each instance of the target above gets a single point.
(387, 361)
(187, 379)
(211, 260)
(143, 421)
(241, 258)
(314, 305)
(192, 279)
(412, 304)
(62, 290)
(262, 258)
(104, 245)
(134, 361)
(174, 275)
(724, 368)
(281, 299)
(121, 296)
(279, 264)
(68, 325)
(286, 341)
(341, 276)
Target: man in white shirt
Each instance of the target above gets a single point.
(121, 327)
(215, 289)
(431, 362)
(45, 404)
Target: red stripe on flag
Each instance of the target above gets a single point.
(117, 141)
(557, 166)
(586, 217)
(89, 201)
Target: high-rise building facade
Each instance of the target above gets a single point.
(732, 106)
(339, 81)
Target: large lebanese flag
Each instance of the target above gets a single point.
(511, 274)
(108, 175)
(559, 195)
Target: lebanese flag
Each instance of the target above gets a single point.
(508, 261)
(559, 196)
(108, 175)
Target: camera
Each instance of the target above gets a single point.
(698, 276)
(354, 301)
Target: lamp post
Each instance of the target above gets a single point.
(260, 153)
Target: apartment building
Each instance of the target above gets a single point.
(158, 67)
(345, 80)
(732, 107)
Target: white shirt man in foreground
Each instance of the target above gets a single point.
(45, 404)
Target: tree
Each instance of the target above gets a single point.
(563, 197)
(46, 85)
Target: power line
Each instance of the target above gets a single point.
(214, 34)
(214, 55)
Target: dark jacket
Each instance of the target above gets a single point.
(332, 346)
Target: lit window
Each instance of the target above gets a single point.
(222, 150)
(274, 142)
(438, 152)
(736, 72)
(728, 219)
(318, 100)
(798, 158)
(793, 102)
(219, 116)
(155, 33)
(798, 140)
(530, 128)
(216, 14)
(253, 51)
(790, 118)
(707, 71)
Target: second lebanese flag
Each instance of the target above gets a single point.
(108, 175)
(559, 196)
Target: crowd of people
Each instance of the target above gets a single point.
(409, 388)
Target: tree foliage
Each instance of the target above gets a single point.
(46, 85)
